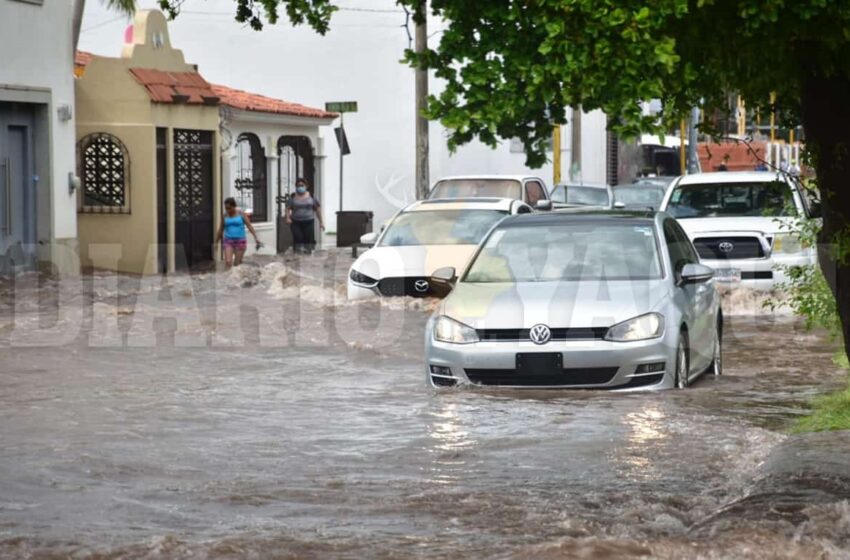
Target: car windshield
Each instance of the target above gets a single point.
(581, 196)
(772, 198)
(568, 252)
(441, 227)
(477, 188)
(632, 196)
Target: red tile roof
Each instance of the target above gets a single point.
(247, 101)
(175, 87)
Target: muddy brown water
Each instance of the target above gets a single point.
(257, 414)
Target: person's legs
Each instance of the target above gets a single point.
(309, 231)
(297, 236)
(228, 254)
(239, 253)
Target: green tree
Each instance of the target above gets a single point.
(511, 67)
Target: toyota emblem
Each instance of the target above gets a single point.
(726, 247)
(421, 286)
(540, 334)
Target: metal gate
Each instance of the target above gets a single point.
(193, 197)
(17, 188)
(295, 162)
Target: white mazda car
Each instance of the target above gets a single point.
(421, 238)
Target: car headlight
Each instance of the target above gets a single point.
(787, 243)
(643, 327)
(360, 278)
(449, 330)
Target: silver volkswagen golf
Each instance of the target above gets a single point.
(597, 300)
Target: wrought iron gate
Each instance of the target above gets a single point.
(193, 197)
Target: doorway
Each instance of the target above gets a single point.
(18, 185)
(295, 162)
(193, 198)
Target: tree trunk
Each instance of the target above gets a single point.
(826, 121)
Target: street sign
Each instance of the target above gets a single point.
(341, 106)
(342, 141)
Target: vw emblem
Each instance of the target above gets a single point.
(540, 334)
(726, 246)
(421, 286)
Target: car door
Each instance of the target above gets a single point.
(701, 300)
(686, 296)
(534, 192)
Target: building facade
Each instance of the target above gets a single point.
(37, 182)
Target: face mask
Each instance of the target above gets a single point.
(300, 190)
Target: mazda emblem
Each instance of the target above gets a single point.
(540, 334)
(421, 286)
(726, 247)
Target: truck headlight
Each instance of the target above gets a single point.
(643, 327)
(787, 243)
(360, 278)
(455, 332)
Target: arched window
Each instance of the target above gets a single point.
(104, 170)
(250, 177)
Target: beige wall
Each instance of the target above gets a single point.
(110, 100)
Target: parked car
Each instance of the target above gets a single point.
(528, 189)
(640, 195)
(585, 195)
(421, 238)
(609, 300)
(740, 223)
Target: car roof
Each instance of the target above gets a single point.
(723, 177)
(468, 203)
(485, 177)
(600, 216)
(591, 185)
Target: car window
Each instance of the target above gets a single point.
(568, 252)
(680, 249)
(534, 192)
(477, 188)
(581, 195)
(773, 198)
(440, 227)
(633, 196)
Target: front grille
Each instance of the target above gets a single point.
(757, 275)
(569, 377)
(724, 248)
(404, 286)
(513, 335)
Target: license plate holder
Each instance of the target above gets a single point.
(539, 363)
(727, 274)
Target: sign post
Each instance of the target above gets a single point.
(341, 107)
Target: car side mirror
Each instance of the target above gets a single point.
(369, 238)
(695, 273)
(443, 280)
(543, 205)
(619, 205)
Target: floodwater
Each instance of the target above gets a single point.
(256, 414)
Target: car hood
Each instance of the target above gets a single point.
(757, 224)
(556, 304)
(412, 260)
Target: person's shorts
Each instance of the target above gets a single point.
(236, 244)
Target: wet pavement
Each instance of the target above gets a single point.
(256, 413)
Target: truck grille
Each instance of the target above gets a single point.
(725, 248)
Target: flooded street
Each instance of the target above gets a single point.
(257, 414)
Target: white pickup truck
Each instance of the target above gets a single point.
(739, 223)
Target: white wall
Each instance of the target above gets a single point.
(357, 60)
(35, 45)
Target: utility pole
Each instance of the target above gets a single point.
(693, 156)
(575, 145)
(421, 46)
(556, 155)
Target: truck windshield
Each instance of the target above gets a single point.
(477, 188)
(720, 200)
